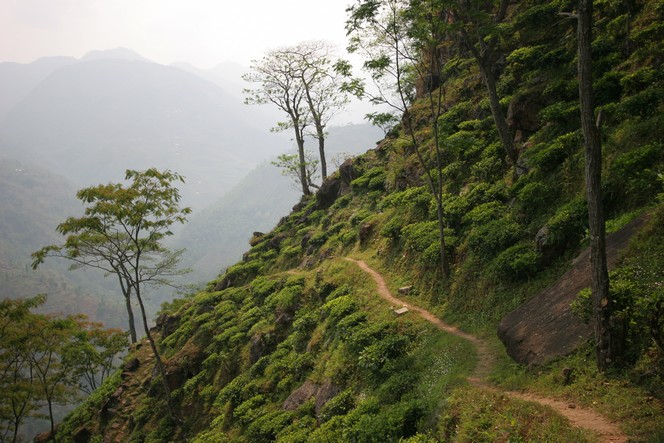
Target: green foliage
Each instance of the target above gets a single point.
(489, 239)
(516, 262)
(567, 226)
(372, 180)
(549, 156)
(47, 359)
(632, 177)
(243, 273)
(637, 294)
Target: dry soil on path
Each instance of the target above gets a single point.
(588, 419)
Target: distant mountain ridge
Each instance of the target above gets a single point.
(89, 120)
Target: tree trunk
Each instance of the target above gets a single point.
(299, 138)
(130, 315)
(157, 356)
(441, 235)
(601, 301)
(320, 134)
(50, 416)
(497, 112)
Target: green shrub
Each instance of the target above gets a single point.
(549, 156)
(533, 196)
(250, 410)
(560, 112)
(484, 213)
(419, 236)
(376, 355)
(373, 179)
(266, 427)
(392, 228)
(243, 273)
(338, 405)
(319, 238)
(489, 239)
(292, 251)
(339, 291)
(567, 226)
(644, 103)
(632, 177)
(517, 262)
(262, 286)
(286, 299)
(339, 307)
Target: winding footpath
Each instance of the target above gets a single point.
(587, 419)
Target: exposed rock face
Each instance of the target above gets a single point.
(300, 396)
(328, 192)
(167, 324)
(545, 327)
(322, 393)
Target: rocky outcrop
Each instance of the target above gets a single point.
(545, 327)
(322, 393)
(336, 185)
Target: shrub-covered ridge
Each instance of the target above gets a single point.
(291, 343)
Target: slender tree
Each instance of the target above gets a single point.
(43, 358)
(602, 305)
(20, 397)
(122, 233)
(48, 354)
(302, 81)
(276, 74)
(478, 23)
(290, 167)
(400, 41)
(322, 88)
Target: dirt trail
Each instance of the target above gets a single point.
(579, 417)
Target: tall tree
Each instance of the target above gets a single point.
(478, 24)
(401, 43)
(302, 82)
(322, 88)
(122, 232)
(602, 305)
(52, 366)
(19, 398)
(276, 74)
(43, 359)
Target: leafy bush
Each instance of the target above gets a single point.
(419, 236)
(376, 355)
(567, 226)
(632, 177)
(534, 196)
(392, 228)
(338, 405)
(243, 273)
(549, 156)
(262, 286)
(517, 262)
(339, 307)
(489, 239)
(484, 213)
(373, 179)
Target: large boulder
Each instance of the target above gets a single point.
(545, 327)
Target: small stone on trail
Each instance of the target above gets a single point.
(401, 311)
(571, 406)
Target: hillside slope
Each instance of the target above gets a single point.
(293, 344)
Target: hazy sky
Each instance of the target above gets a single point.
(201, 32)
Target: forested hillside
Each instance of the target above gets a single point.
(297, 344)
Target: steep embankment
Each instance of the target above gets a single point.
(590, 420)
(291, 344)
